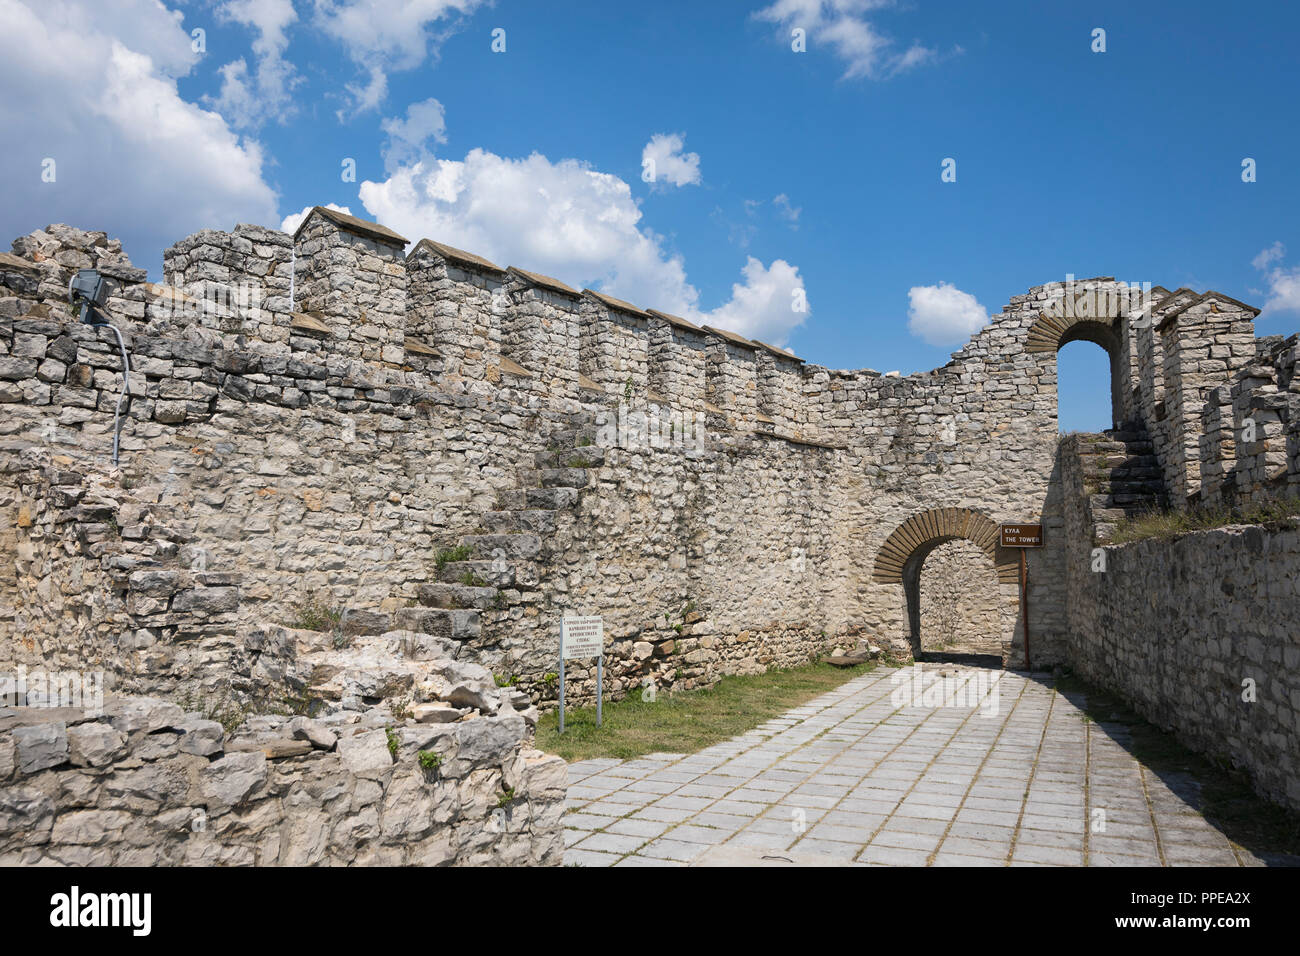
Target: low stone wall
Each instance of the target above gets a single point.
(143, 783)
(1198, 634)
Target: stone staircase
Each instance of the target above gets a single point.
(488, 578)
(1122, 477)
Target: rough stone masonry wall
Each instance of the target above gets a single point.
(238, 282)
(702, 562)
(457, 311)
(322, 472)
(357, 285)
(1178, 627)
(347, 475)
(143, 783)
(1250, 430)
(259, 480)
(1203, 344)
(260, 506)
(253, 482)
(980, 434)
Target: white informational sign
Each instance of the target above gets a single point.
(582, 637)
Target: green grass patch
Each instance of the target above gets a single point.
(688, 721)
(1170, 524)
(1226, 799)
(311, 614)
(460, 552)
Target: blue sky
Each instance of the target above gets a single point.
(777, 170)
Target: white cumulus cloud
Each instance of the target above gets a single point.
(943, 314)
(767, 305)
(1274, 253)
(381, 36)
(1283, 282)
(248, 99)
(566, 219)
(663, 157)
(292, 221)
(409, 137)
(841, 26)
(787, 210)
(92, 87)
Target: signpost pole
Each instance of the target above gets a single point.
(600, 682)
(561, 685)
(1024, 602)
(1020, 537)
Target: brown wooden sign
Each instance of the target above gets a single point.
(1022, 536)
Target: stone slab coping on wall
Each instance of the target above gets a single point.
(1062, 284)
(459, 256)
(307, 323)
(10, 261)
(676, 320)
(1203, 297)
(779, 353)
(731, 337)
(798, 440)
(169, 292)
(1170, 296)
(545, 282)
(417, 347)
(617, 304)
(262, 234)
(125, 273)
(511, 367)
(371, 230)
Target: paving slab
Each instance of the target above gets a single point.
(852, 779)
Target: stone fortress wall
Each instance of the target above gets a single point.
(143, 782)
(324, 417)
(1198, 633)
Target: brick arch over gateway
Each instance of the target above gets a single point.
(1049, 333)
(903, 554)
(925, 531)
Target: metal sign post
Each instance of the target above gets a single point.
(583, 637)
(1020, 537)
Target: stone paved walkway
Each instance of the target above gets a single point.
(851, 779)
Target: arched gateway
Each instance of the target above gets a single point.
(901, 557)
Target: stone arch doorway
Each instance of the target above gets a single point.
(903, 556)
(1052, 333)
